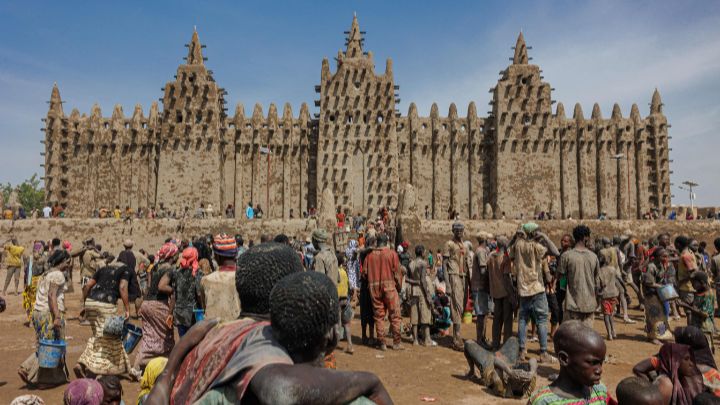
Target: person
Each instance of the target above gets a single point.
(686, 266)
(656, 320)
(480, 289)
(340, 218)
(130, 259)
(701, 312)
(325, 260)
(421, 292)
(308, 253)
(48, 320)
(221, 299)
(441, 309)
(456, 269)
(258, 212)
(528, 249)
(187, 290)
(581, 352)
(240, 245)
(249, 211)
(112, 389)
(715, 266)
(156, 312)
(352, 264)
(581, 267)
(13, 263)
(104, 353)
(678, 376)
(367, 316)
(152, 371)
(47, 211)
(502, 292)
(384, 278)
(501, 371)
(36, 269)
(345, 298)
(83, 391)
(608, 293)
(638, 391)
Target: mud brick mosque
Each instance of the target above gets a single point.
(522, 157)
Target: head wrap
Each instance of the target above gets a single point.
(320, 235)
(685, 388)
(128, 243)
(405, 245)
(167, 251)
(152, 372)
(28, 400)
(530, 227)
(458, 226)
(84, 391)
(67, 245)
(400, 249)
(440, 288)
(695, 338)
(190, 259)
(224, 245)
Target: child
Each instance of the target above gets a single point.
(703, 308)
(441, 308)
(608, 292)
(345, 297)
(581, 352)
(638, 391)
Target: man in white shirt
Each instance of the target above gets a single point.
(47, 211)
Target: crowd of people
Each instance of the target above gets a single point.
(253, 322)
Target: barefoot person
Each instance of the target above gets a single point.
(456, 270)
(421, 293)
(384, 277)
(656, 321)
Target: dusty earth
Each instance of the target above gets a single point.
(409, 375)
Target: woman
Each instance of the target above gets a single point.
(679, 379)
(156, 312)
(353, 265)
(656, 321)
(84, 391)
(153, 370)
(186, 286)
(104, 353)
(48, 319)
(37, 267)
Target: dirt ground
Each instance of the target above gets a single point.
(409, 375)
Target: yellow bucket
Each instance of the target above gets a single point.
(467, 317)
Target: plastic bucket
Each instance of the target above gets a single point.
(131, 338)
(467, 317)
(199, 314)
(50, 352)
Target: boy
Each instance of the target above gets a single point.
(608, 293)
(700, 314)
(638, 391)
(581, 352)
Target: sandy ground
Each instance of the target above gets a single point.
(409, 375)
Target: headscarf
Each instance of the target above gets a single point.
(84, 391)
(530, 227)
(67, 245)
(28, 400)
(695, 338)
(167, 251)
(190, 259)
(38, 247)
(152, 372)
(685, 388)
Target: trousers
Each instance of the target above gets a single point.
(537, 306)
(502, 321)
(12, 272)
(386, 300)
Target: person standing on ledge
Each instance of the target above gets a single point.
(456, 268)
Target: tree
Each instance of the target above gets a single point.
(30, 193)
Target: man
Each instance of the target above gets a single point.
(715, 267)
(421, 293)
(581, 267)
(240, 244)
(384, 278)
(136, 264)
(694, 247)
(249, 211)
(325, 260)
(14, 263)
(528, 249)
(47, 211)
(479, 286)
(687, 264)
(221, 299)
(499, 269)
(456, 268)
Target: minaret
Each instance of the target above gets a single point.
(656, 103)
(55, 102)
(354, 40)
(520, 57)
(195, 56)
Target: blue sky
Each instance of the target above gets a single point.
(267, 51)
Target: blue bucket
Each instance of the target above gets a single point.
(131, 337)
(50, 352)
(199, 314)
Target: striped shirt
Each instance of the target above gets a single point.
(544, 396)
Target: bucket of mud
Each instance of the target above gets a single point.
(131, 338)
(199, 314)
(50, 352)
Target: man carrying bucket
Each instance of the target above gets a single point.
(46, 367)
